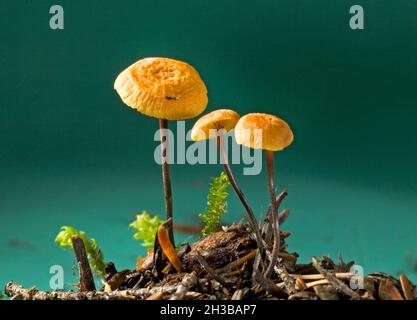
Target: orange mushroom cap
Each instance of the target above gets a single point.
(163, 88)
(205, 127)
(276, 133)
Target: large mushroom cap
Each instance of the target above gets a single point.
(276, 134)
(163, 88)
(205, 127)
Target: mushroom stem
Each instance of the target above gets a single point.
(274, 213)
(166, 178)
(233, 182)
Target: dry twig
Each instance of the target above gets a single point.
(289, 281)
(237, 263)
(268, 285)
(17, 292)
(85, 274)
(319, 276)
(277, 241)
(189, 281)
(209, 269)
(335, 282)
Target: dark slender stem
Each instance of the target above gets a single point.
(339, 285)
(267, 228)
(86, 276)
(210, 270)
(268, 285)
(166, 177)
(274, 213)
(233, 182)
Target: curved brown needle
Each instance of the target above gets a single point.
(168, 248)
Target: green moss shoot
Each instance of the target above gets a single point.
(216, 203)
(95, 255)
(146, 227)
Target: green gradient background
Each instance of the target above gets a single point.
(72, 153)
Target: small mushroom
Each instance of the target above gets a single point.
(213, 126)
(270, 133)
(210, 125)
(165, 89)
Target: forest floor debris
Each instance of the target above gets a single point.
(221, 266)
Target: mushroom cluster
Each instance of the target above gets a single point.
(169, 89)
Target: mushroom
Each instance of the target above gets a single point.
(275, 136)
(214, 125)
(165, 89)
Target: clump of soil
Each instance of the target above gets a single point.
(226, 265)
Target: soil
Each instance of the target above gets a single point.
(226, 265)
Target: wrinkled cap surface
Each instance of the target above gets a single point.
(263, 131)
(163, 88)
(205, 127)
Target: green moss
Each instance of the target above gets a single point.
(95, 255)
(216, 203)
(146, 228)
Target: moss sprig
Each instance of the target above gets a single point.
(216, 203)
(146, 227)
(95, 255)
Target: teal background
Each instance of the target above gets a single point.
(72, 154)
